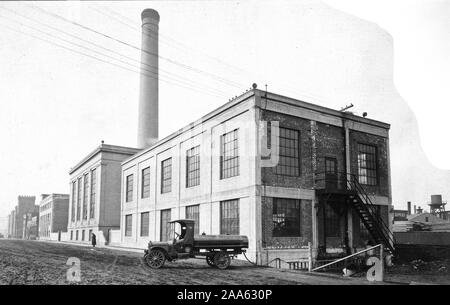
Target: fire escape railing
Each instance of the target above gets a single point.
(349, 182)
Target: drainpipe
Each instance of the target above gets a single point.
(347, 172)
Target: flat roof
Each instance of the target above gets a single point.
(123, 150)
(270, 96)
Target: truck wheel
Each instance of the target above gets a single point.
(155, 259)
(210, 261)
(222, 260)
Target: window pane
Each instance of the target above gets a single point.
(145, 189)
(286, 217)
(165, 225)
(86, 195)
(289, 161)
(166, 176)
(367, 164)
(129, 188)
(93, 192)
(229, 155)
(74, 187)
(128, 225)
(145, 217)
(229, 217)
(193, 212)
(193, 166)
(79, 199)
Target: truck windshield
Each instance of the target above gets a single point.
(177, 231)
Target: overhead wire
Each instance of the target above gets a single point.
(188, 67)
(97, 58)
(287, 85)
(189, 82)
(177, 82)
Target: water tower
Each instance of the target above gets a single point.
(437, 206)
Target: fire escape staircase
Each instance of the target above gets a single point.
(348, 185)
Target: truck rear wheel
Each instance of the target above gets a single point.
(155, 259)
(210, 261)
(222, 260)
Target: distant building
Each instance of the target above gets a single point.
(53, 216)
(25, 204)
(400, 215)
(32, 229)
(95, 193)
(29, 231)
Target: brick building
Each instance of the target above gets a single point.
(53, 216)
(95, 193)
(326, 181)
(25, 204)
(30, 231)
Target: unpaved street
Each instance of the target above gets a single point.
(36, 262)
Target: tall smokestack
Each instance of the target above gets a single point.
(409, 207)
(148, 94)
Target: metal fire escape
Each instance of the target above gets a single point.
(347, 186)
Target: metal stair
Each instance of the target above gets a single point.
(368, 213)
(348, 185)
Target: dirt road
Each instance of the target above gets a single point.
(36, 262)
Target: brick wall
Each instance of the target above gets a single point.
(268, 241)
(305, 178)
(382, 187)
(330, 142)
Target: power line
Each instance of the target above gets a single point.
(173, 41)
(290, 86)
(88, 55)
(186, 82)
(199, 71)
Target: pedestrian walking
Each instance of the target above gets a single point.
(94, 240)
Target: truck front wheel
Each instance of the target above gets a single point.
(222, 260)
(155, 259)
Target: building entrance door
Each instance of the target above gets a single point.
(334, 226)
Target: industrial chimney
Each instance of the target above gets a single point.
(148, 93)
(409, 207)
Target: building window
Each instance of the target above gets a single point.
(71, 235)
(93, 193)
(193, 212)
(90, 235)
(145, 217)
(129, 189)
(73, 200)
(79, 199)
(76, 234)
(229, 155)
(289, 151)
(229, 217)
(165, 225)
(286, 217)
(85, 195)
(128, 225)
(193, 166)
(166, 176)
(367, 164)
(82, 235)
(145, 188)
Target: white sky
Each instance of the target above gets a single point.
(56, 106)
